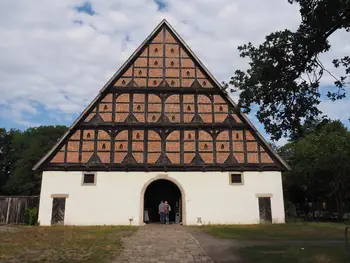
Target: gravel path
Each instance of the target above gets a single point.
(162, 244)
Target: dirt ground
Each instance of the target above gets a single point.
(220, 250)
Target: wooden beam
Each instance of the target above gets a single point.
(161, 167)
(108, 126)
(158, 90)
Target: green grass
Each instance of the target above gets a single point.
(295, 254)
(61, 244)
(296, 231)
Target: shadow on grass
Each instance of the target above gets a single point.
(294, 254)
(295, 231)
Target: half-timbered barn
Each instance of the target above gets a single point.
(162, 128)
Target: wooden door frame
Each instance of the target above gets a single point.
(59, 196)
(270, 198)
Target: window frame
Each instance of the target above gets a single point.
(83, 176)
(236, 173)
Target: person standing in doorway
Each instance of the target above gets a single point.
(167, 210)
(161, 211)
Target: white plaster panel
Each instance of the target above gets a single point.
(116, 197)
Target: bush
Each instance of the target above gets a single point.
(31, 216)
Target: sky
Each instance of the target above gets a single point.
(56, 55)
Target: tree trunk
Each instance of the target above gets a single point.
(340, 210)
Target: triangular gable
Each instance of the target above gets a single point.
(162, 62)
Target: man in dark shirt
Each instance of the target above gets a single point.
(161, 208)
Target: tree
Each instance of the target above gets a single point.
(6, 156)
(5, 164)
(320, 166)
(25, 150)
(284, 72)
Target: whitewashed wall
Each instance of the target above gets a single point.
(116, 197)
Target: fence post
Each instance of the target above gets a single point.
(8, 211)
(347, 242)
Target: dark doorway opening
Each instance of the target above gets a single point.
(162, 190)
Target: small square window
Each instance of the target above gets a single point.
(89, 178)
(236, 178)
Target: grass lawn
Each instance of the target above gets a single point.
(60, 244)
(295, 254)
(296, 231)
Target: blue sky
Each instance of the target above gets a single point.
(162, 6)
(86, 8)
(59, 54)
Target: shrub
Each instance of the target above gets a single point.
(31, 216)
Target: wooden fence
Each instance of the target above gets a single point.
(13, 208)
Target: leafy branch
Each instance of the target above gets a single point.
(275, 78)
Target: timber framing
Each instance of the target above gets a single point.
(160, 167)
(191, 153)
(176, 90)
(188, 126)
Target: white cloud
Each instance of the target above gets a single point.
(281, 141)
(340, 47)
(47, 59)
(337, 110)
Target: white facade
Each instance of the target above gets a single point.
(118, 196)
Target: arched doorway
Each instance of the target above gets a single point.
(166, 190)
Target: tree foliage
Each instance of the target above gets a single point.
(5, 163)
(284, 72)
(19, 152)
(320, 166)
